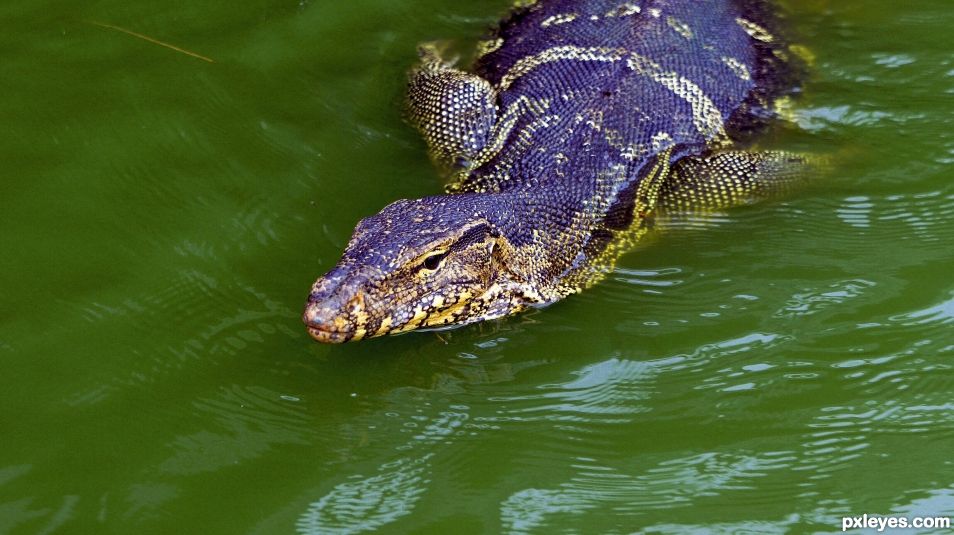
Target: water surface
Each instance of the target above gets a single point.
(163, 217)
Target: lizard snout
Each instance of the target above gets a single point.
(335, 311)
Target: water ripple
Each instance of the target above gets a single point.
(367, 502)
(814, 301)
(922, 215)
(671, 483)
(252, 420)
(941, 313)
(610, 387)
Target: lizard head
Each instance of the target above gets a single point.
(428, 263)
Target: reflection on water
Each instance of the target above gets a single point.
(811, 302)
(920, 216)
(673, 483)
(942, 313)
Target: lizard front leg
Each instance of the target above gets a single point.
(454, 110)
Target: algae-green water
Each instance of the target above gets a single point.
(162, 218)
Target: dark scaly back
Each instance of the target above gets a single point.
(591, 85)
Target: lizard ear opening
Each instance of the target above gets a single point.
(476, 234)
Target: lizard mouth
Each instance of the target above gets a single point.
(331, 322)
(329, 336)
(326, 330)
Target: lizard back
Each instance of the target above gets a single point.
(585, 85)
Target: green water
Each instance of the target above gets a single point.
(163, 217)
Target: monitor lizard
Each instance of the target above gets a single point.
(579, 122)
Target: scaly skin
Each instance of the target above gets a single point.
(581, 120)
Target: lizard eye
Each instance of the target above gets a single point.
(433, 261)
